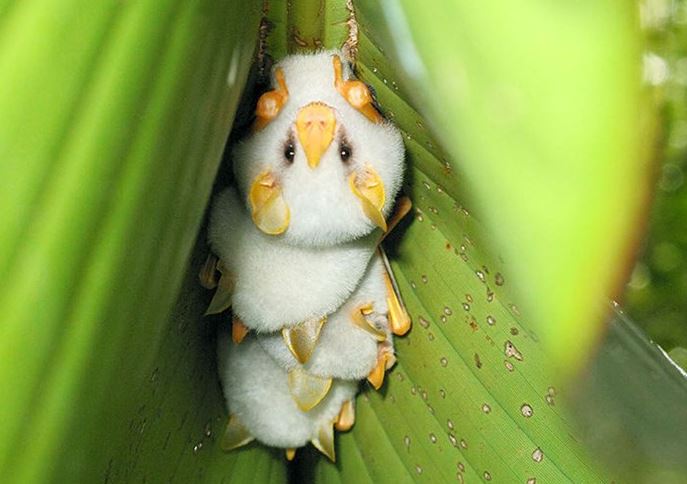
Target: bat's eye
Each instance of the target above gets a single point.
(345, 152)
(289, 152)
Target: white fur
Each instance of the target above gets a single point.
(277, 284)
(257, 392)
(343, 350)
(324, 211)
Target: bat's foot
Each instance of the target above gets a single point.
(238, 330)
(290, 454)
(399, 319)
(385, 360)
(365, 318)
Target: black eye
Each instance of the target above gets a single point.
(289, 152)
(345, 152)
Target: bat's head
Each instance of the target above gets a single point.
(321, 166)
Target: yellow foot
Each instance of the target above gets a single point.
(238, 330)
(346, 417)
(290, 454)
(399, 319)
(385, 360)
(360, 317)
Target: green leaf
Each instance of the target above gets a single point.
(541, 111)
(113, 117)
(631, 407)
(679, 355)
(472, 396)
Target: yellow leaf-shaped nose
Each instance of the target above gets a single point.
(369, 188)
(315, 125)
(268, 208)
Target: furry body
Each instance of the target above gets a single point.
(278, 284)
(343, 350)
(256, 390)
(297, 237)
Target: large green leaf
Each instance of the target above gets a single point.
(541, 109)
(470, 374)
(113, 116)
(471, 393)
(631, 407)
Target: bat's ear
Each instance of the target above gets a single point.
(271, 103)
(355, 92)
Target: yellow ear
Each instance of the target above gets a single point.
(369, 188)
(271, 103)
(268, 208)
(355, 92)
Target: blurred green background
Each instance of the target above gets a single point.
(656, 296)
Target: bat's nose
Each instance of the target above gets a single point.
(315, 125)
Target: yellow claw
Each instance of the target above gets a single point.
(399, 319)
(302, 338)
(235, 435)
(268, 208)
(385, 360)
(315, 125)
(367, 185)
(324, 442)
(271, 103)
(307, 390)
(290, 454)
(238, 330)
(376, 376)
(346, 417)
(359, 318)
(355, 92)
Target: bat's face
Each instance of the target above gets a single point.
(321, 167)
